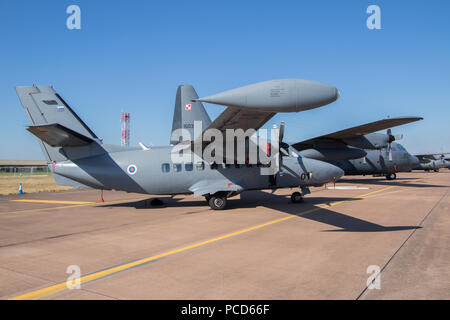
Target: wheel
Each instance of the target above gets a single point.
(297, 197)
(436, 170)
(218, 202)
(391, 176)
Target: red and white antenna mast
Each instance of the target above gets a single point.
(125, 126)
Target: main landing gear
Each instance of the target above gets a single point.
(391, 176)
(297, 197)
(217, 201)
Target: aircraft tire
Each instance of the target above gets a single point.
(391, 176)
(297, 197)
(218, 202)
(436, 170)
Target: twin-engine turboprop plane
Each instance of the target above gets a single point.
(77, 157)
(359, 150)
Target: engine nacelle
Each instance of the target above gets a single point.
(370, 141)
(331, 154)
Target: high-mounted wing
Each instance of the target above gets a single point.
(433, 156)
(237, 118)
(250, 107)
(355, 132)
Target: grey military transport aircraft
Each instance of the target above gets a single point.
(433, 162)
(77, 157)
(360, 151)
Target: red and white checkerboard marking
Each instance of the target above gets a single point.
(188, 107)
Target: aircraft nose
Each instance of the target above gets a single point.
(337, 173)
(328, 172)
(414, 160)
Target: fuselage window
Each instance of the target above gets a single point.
(165, 167)
(200, 166)
(188, 166)
(177, 167)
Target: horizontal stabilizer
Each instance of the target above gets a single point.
(57, 135)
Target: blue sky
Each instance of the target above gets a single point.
(132, 55)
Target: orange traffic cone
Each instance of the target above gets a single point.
(101, 197)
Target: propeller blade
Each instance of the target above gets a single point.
(281, 144)
(281, 136)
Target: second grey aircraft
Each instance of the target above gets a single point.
(360, 151)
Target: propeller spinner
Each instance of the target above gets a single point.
(391, 139)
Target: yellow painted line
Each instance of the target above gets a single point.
(62, 286)
(41, 293)
(54, 201)
(376, 191)
(96, 204)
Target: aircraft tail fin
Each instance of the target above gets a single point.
(187, 111)
(53, 121)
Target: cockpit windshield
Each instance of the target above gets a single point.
(400, 147)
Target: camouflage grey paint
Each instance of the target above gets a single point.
(102, 166)
(358, 153)
(433, 165)
(109, 171)
(377, 162)
(332, 153)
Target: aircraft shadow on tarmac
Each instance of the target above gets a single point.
(253, 199)
(324, 215)
(403, 182)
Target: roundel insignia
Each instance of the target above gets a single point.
(131, 169)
